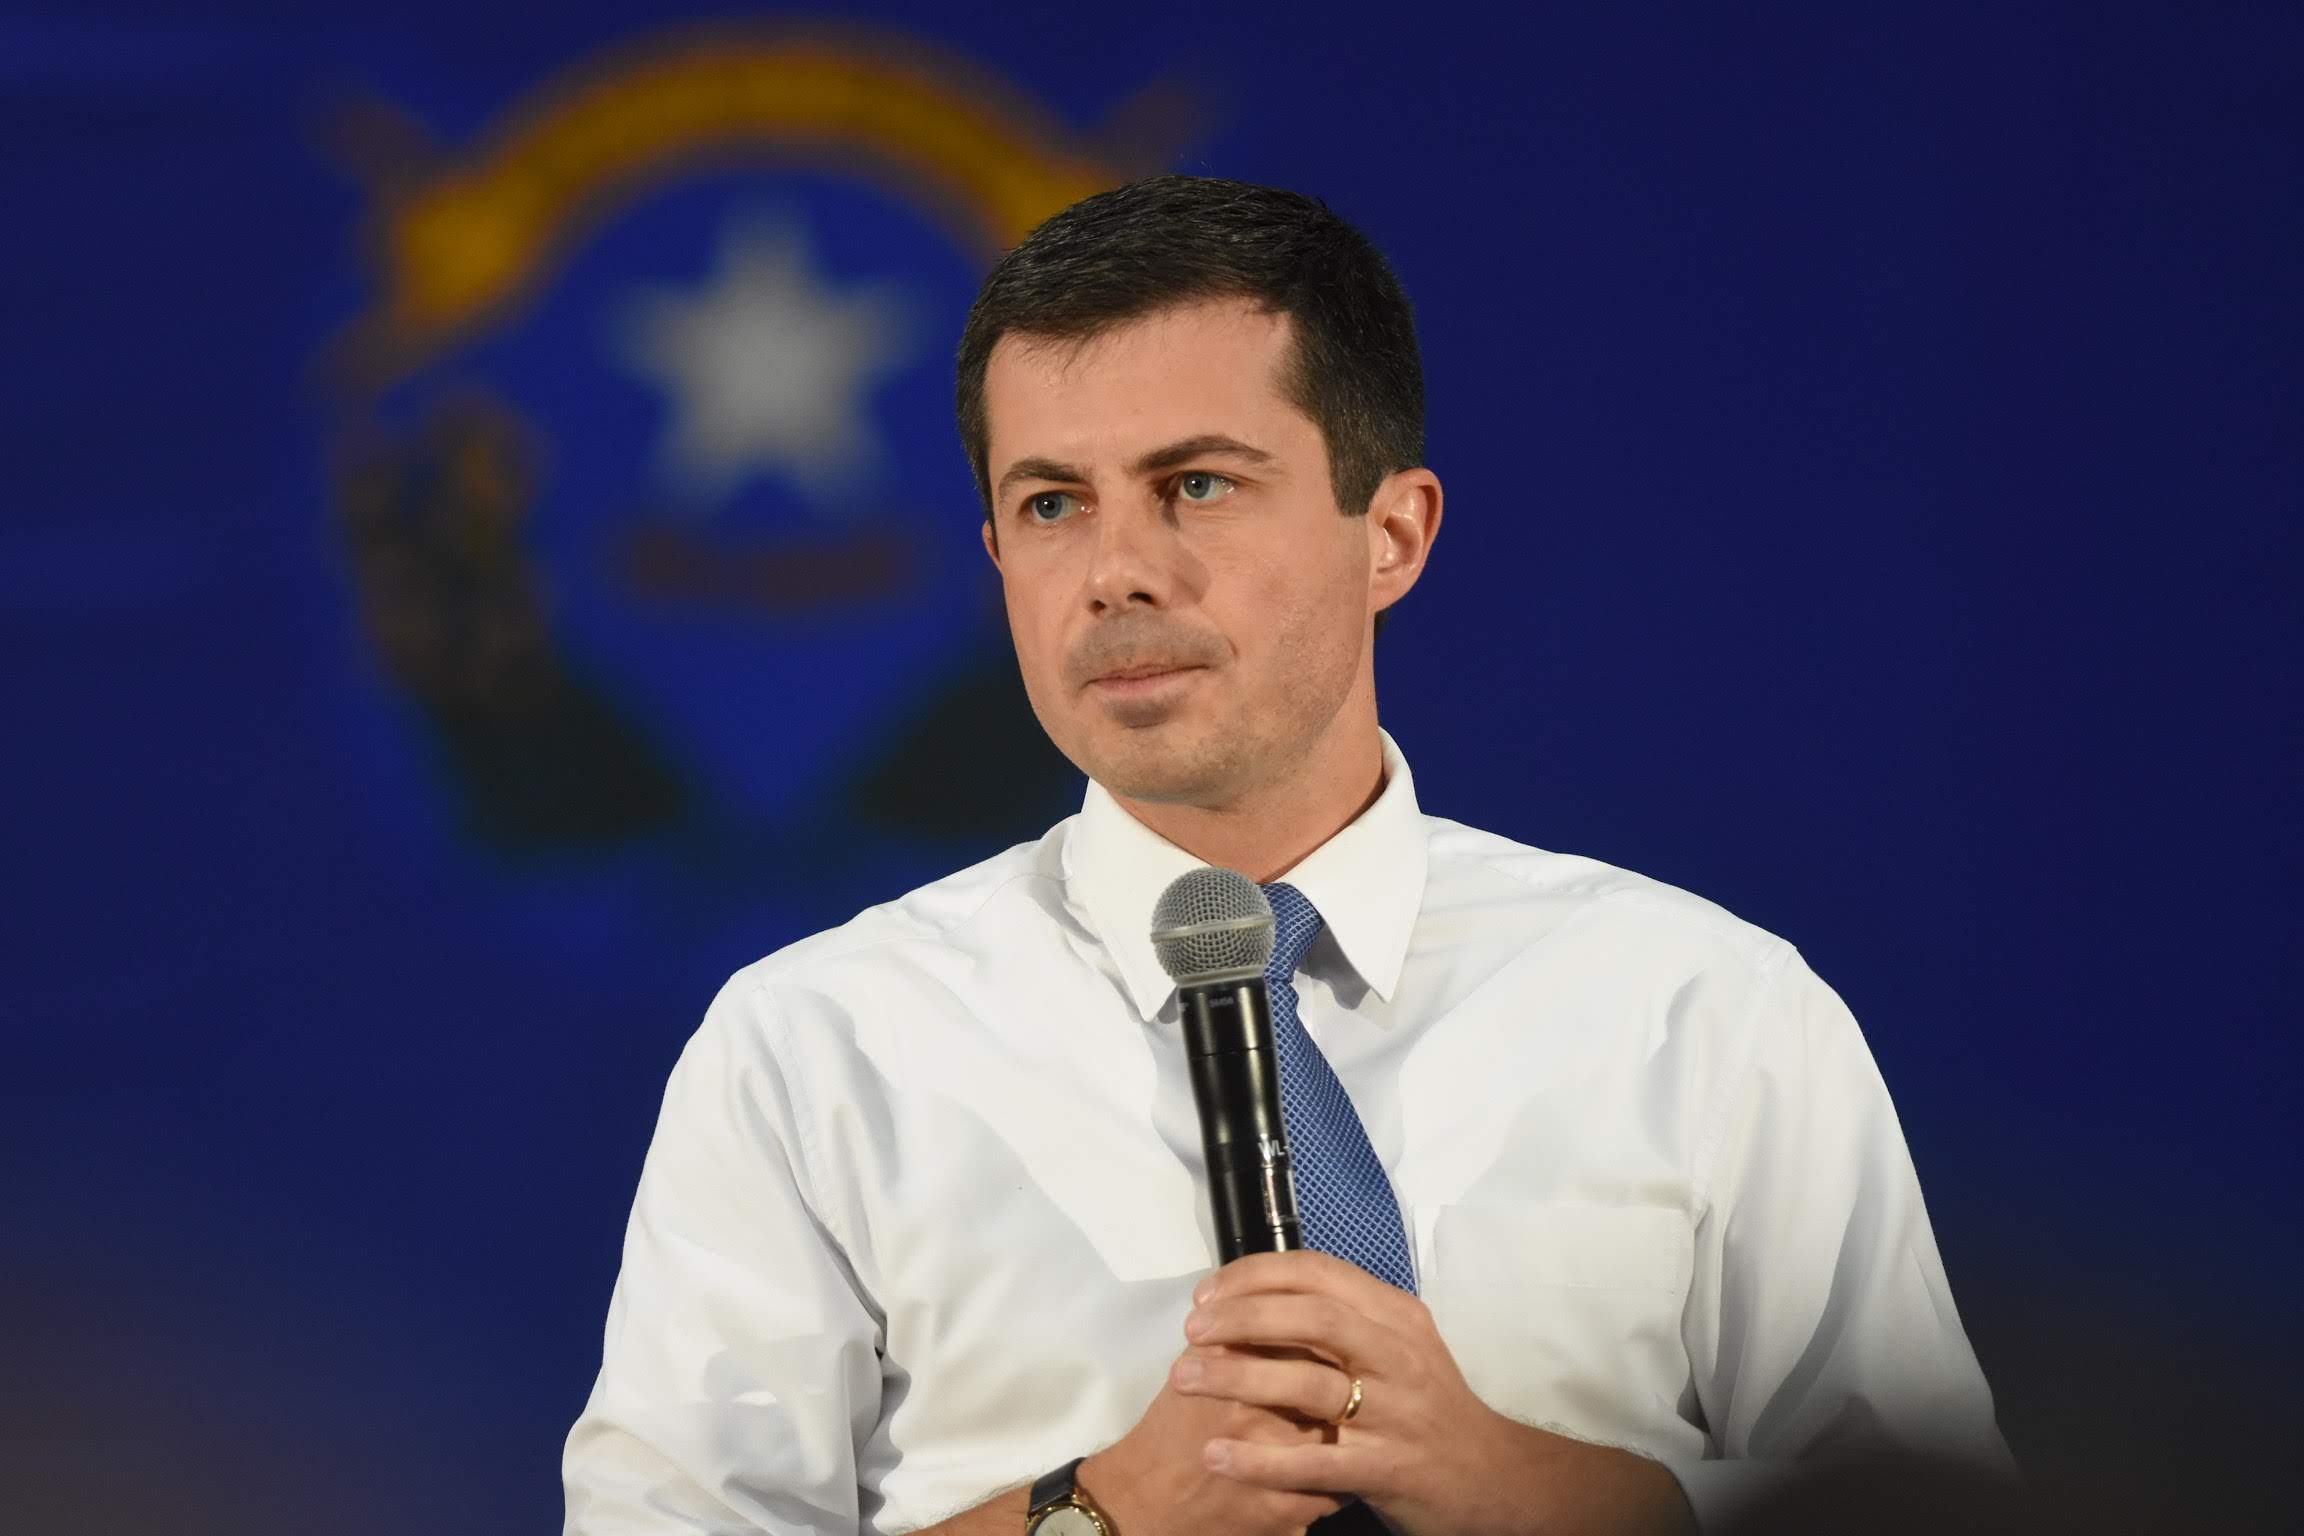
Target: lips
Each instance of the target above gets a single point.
(1138, 653)
(1142, 670)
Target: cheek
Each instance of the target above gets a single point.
(1313, 621)
(1036, 627)
(1325, 598)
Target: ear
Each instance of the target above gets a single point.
(991, 543)
(1403, 520)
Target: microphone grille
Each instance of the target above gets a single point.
(1211, 923)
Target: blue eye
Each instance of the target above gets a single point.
(1201, 486)
(1048, 506)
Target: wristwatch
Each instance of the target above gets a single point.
(1061, 1507)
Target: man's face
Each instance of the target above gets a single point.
(1190, 607)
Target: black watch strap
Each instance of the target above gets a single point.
(1055, 1487)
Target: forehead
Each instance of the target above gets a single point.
(1208, 367)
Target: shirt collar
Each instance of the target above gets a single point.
(1367, 881)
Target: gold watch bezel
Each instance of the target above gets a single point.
(1077, 1498)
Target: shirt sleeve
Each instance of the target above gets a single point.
(1819, 1322)
(740, 1369)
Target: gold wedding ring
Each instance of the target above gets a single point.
(1351, 1406)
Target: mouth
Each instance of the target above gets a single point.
(1144, 670)
(1142, 680)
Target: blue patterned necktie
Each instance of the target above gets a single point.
(1342, 1195)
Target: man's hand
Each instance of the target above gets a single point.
(1427, 1453)
(1156, 1481)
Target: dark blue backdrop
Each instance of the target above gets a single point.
(444, 639)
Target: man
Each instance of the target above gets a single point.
(924, 1223)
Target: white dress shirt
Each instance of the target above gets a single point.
(926, 1204)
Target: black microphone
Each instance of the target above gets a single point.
(1212, 929)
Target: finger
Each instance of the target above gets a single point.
(1318, 1323)
(1293, 1468)
(1319, 1274)
(1300, 1269)
(1304, 1387)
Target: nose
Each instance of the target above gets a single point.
(1137, 558)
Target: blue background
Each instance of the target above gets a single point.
(1872, 443)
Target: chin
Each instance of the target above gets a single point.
(1160, 772)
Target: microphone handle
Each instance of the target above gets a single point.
(1236, 1083)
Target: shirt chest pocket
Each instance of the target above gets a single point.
(1564, 1314)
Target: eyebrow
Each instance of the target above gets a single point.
(1166, 457)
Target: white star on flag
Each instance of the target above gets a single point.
(769, 370)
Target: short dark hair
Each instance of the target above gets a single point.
(1120, 255)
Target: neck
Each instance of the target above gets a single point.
(1270, 830)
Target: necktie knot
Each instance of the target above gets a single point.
(1295, 924)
